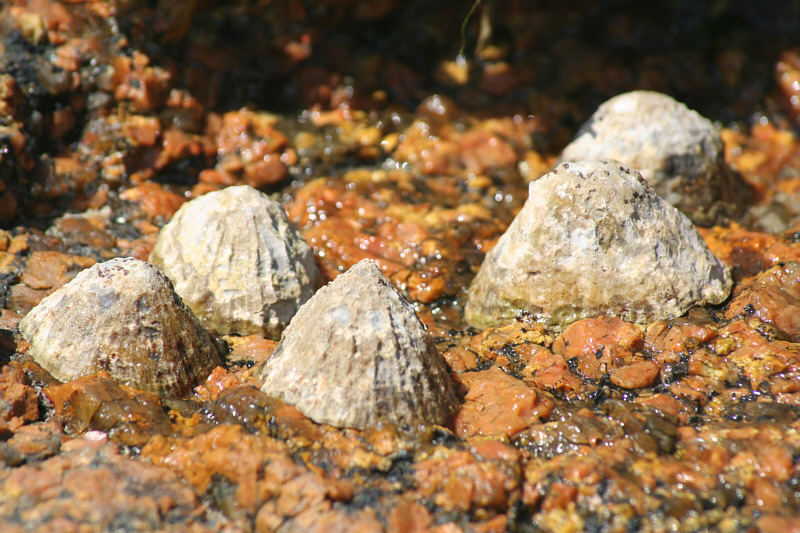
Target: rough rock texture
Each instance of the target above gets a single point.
(593, 238)
(237, 262)
(121, 316)
(356, 354)
(679, 152)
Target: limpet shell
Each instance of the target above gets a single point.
(356, 355)
(594, 239)
(121, 316)
(237, 262)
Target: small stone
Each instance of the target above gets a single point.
(121, 316)
(237, 262)
(678, 151)
(637, 375)
(356, 355)
(497, 404)
(594, 239)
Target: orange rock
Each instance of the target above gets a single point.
(482, 150)
(97, 402)
(259, 466)
(219, 380)
(456, 480)
(408, 517)
(425, 287)
(153, 199)
(636, 375)
(19, 403)
(266, 171)
(22, 298)
(664, 403)
(85, 230)
(460, 359)
(599, 344)
(497, 404)
(250, 348)
(773, 297)
(50, 270)
(494, 450)
(677, 336)
(774, 523)
(143, 130)
(559, 496)
(757, 357)
(548, 370)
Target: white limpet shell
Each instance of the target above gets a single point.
(679, 152)
(237, 262)
(121, 316)
(356, 355)
(594, 239)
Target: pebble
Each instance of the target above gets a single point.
(594, 239)
(237, 262)
(678, 151)
(356, 355)
(123, 317)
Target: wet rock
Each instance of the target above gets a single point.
(8, 325)
(774, 297)
(498, 404)
(594, 239)
(19, 403)
(91, 486)
(636, 375)
(237, 262)
(458, 480)
(356, 355)
(128, 416)
(679, 152)
(33, 442)
(123, 317)
(597, 344)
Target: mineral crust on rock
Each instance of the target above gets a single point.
(121, 316)
(594, 239)
(237, 262)
(679, 152)
(356, 354)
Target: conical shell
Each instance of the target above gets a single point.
(237, 262)
(678, 151)
(594, 239)
(121, 316)
(356, 354)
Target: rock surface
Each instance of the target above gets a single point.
(679, 152)
(594, 239)
(121, 316)
(237, 262)
(356, 355)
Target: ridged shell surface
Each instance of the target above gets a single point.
(594, 239)
(356, 354)
(678, 151)
(121, 316)
(237, 262)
